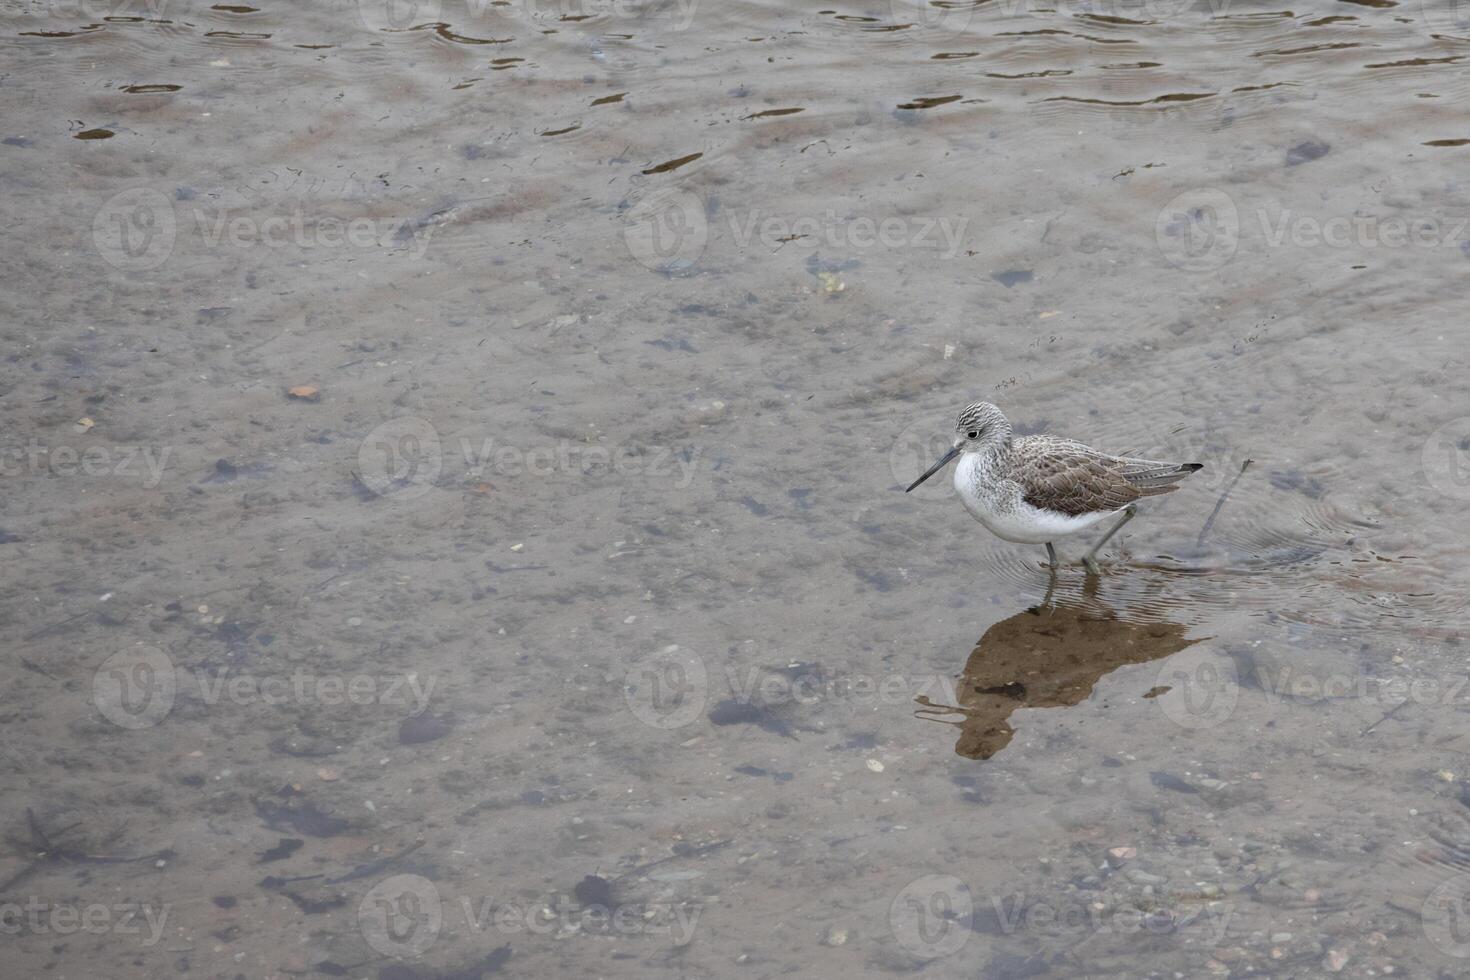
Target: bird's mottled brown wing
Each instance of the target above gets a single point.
(1069, 478)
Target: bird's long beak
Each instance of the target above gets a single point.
(953, 452)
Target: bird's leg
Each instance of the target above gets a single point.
(1089, 559)
(1051, 568)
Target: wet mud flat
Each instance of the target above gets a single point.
(454, 520)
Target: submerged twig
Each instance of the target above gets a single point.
(1391, 712)
(373, 867)
(48, 851)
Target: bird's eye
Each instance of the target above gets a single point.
(974, 434)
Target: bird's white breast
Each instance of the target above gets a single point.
(998, 505)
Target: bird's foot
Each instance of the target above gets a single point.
(1092, 566)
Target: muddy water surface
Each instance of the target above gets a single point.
(454, 521)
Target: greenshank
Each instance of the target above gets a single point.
(1035, 489)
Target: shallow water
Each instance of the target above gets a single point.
(570, 619)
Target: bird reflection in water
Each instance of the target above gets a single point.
(1048, 656)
